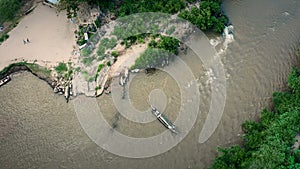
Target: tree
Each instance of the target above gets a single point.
(207, 17)
(268, 143)
(8, 9)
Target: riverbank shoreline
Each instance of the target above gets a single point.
(23, 66)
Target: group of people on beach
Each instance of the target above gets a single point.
(26, 41)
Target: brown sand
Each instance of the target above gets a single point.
(51, 39)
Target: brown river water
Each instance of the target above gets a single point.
(38, 129)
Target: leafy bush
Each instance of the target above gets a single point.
(108, 63)
(166, 43)
(115, 54)
(81, 41)
(100, 66)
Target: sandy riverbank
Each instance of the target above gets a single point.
(127, 58)
(51, 38)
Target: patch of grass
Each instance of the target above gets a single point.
(171, 30)
(61, 68)
(87, 61)
(101, 50)
(94, 38)
(104, 42)
(119, 32)
(150, 58)
(101, 57)
(86, 52)
(35, 68)
(11, 65)
(112, 43)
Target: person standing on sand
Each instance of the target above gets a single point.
(28, 40)
(24, 41)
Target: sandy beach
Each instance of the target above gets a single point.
(51, 37)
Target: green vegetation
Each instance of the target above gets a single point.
(9, 9)
(115, 54)
(98, 23)
(87, 76)
(108, 43)
(105, 43)
(101, 51)
(136, 6)
(269, 142)
(127, 6)
(77, 69)
(85, 52)
(65, 70)
(157, 52)
(3, 37)
(80, 35)
(100, 66)
(108, 63)
(71, 6)
(171, 30)
(87, 61)
(111, 43)
(35, 68)
(208, 17)
(150, 58)
(135, 39)
(61, 68)
(166, 43)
